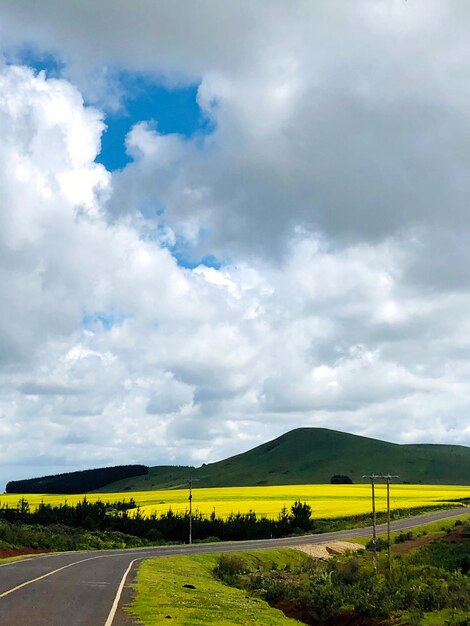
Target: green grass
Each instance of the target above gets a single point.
(313, 455)
(10, 559)
(160, 592)
(445, 617)
(159, 477)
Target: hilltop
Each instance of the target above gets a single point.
(314, 455)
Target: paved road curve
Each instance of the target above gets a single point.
(83, 588)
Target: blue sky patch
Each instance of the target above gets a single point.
(37, 60)
(209, 260)
(100, 320)
(172, 110)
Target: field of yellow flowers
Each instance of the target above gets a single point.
(325, 500)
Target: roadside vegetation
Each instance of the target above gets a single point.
(60, 538)
(431, 530)
(183, 589)
(117, 524)
(427, 585)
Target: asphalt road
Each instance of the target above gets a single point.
(84, 588)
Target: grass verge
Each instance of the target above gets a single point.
(160, 591)
(21, 557)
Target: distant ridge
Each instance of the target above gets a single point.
(314, 455)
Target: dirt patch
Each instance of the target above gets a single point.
(328, 549)
(6, 553)
(406, 546)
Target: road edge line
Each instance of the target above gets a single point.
(55, 571)
(115, 605)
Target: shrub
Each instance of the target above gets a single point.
(402, 537)
(229, 567)
(380, 544)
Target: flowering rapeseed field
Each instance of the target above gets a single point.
(325, 500)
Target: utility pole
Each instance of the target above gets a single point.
(190, 507)
(388, 478)
(372, 478)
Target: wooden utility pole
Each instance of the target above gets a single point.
(388, 478)
(372, 478)
(190, 507)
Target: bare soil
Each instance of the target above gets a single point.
(6, 553)
(406, 546)
(457, 535)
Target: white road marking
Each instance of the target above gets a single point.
(112, 613)
(34, 580)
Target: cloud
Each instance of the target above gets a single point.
(333, 191)
(349, 122)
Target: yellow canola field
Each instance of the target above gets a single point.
(325, 500)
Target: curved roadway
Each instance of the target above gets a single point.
(84, 588)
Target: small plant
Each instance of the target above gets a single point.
(229, 567)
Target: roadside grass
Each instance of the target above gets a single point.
(161, 595)
(160, 591)
(446, 617)
(432, 528)
(21, 557)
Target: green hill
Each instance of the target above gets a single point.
(159, 477)
(314, 455)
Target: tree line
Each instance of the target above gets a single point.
(166, 527)
(76, 482)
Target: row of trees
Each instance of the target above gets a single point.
(168, 527)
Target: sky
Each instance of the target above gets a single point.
(220, 221)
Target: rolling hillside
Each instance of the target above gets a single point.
(76, 482)
(313, 455)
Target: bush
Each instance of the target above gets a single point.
(402, 537)
(229, 567)
(208, 540)
(326, 599)
(380, 544)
